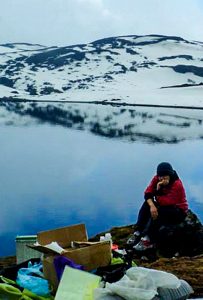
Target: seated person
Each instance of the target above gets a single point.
(165, 204)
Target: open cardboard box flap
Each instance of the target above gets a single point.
(54, 248)
(62, 236)
(58, 241)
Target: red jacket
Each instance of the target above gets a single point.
(172, 194)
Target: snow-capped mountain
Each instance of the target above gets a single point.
(151, 69)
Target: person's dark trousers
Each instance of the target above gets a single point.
(167, 215)
(144, 218)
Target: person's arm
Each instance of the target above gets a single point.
(149, 196)
(150, 190)
(153, 209)
(180, 197)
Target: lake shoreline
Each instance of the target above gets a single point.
(101, 102)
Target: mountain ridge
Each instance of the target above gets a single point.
(132, 69)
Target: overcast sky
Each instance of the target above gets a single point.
(67, 22)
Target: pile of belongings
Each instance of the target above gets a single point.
(121, 279)
(138, 283)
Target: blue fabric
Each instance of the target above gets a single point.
(31, 279)
(61, 261)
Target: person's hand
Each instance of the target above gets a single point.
(159, 184)
(154, 212)
(163, 181)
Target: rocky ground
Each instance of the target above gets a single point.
(7, 261)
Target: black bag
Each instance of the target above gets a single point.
(12, 271)
(115, 272)
(112, 273)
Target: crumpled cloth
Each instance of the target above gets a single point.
(10, 292)
(139, 284)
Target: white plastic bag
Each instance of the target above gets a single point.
(131, 290)
(105, 294)
(139, 284)
(159, 278)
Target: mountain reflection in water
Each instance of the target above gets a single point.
(52, 175)
(150, 124)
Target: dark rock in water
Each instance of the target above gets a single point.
(185, 239)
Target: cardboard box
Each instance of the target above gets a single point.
(90, 255)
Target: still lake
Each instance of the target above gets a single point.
(52, 175)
